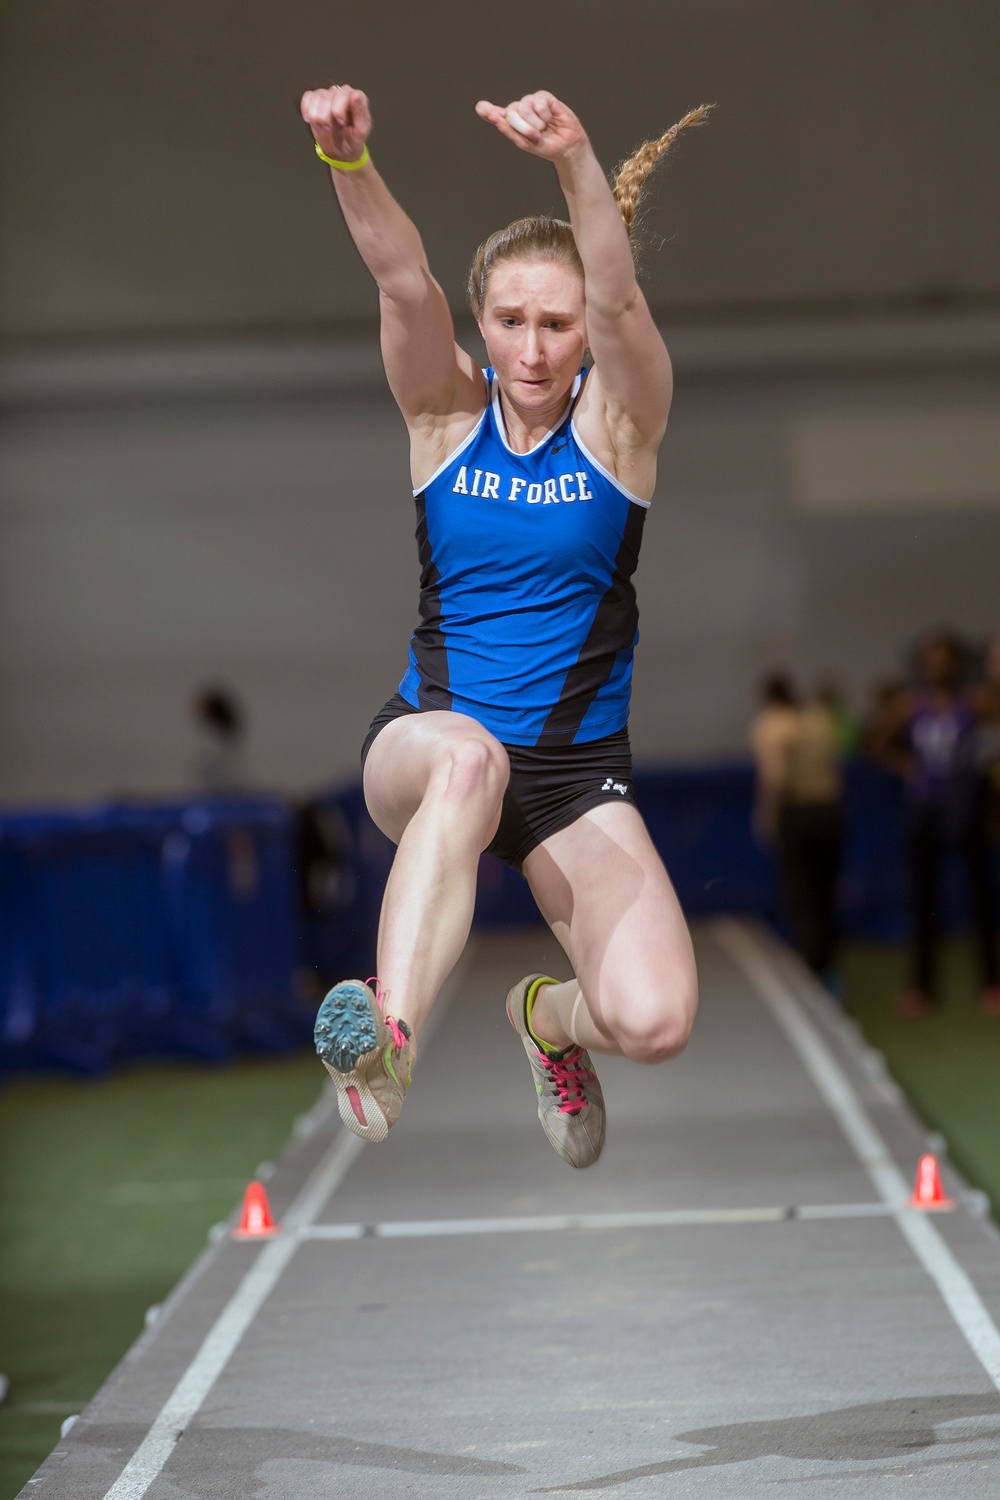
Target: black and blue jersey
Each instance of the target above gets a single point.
(528, 617)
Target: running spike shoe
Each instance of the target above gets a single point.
(367, 1054)
(570, 1102)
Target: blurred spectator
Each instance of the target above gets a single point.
(988, 736)
(885, 735)
(798, 809)
(930, 734)
(846, 723)
(220, 723)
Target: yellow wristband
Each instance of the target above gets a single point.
(344, 166)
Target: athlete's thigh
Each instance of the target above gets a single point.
(404, 756)
(603, 889)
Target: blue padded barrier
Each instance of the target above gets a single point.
(502, 897)
(700, 821)
(91, 954)
(229, 883)
(340, 917)
(140, 931)
(874, 898)
(190, 928)
(18, 993)
(873, 891)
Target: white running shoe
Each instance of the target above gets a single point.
(570, 1102)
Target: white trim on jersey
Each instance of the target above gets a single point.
(501, 429)
(454, 454)
(602, 470)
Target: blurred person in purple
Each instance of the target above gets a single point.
(931, 733)
(798, 810)
(988, 735)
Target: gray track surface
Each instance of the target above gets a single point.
(798, 1358)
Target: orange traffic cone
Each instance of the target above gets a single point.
(256, 1221)
(928, 1191)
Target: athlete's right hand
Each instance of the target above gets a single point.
(340, 120)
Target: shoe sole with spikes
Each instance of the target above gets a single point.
(370, 1072)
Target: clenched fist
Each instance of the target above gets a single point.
(340, 120)
(539, 123)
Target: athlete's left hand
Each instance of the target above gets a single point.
(539, 123)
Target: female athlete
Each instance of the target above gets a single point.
(509, 731)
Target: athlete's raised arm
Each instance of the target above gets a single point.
(431, 378)
(630, 361)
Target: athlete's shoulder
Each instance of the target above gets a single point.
(441, 449)
(629, 465)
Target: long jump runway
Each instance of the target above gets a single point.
(734, 1302)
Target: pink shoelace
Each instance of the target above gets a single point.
(569, 1079)
(399, 1029)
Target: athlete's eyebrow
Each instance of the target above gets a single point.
(505, 309)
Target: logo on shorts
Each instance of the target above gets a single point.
(611, 785)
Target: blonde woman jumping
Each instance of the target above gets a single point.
(509, 731)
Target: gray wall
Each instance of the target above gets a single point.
(266, 538)
(155, 175)
(213, 502)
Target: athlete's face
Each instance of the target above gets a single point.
(534, 329)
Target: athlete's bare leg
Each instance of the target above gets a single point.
(602, 888)
(434, 784)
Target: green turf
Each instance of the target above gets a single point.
(108, 1190)
(948, 1063)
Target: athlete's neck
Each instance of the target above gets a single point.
(526, 426)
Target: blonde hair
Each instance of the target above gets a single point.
(630, 179)
(537, 238)
(544, 238)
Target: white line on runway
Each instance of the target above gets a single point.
(232, 1323)
(959, 1295)
(669, 1218)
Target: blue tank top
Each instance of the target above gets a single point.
(528, 617)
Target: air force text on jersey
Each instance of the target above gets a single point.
(564, 488)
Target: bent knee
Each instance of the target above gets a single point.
(476, 767)
(661, 1031)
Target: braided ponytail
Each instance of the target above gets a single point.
(630, 179)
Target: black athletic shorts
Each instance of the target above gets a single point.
(550, 786)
